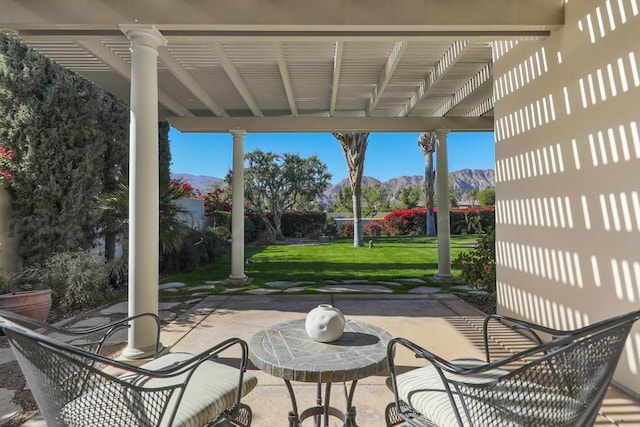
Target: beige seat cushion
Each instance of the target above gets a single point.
(423, 390)
(210, 391)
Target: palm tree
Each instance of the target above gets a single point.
(354, 146)
(427, 143)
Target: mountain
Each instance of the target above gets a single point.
(463, 180)
(473, 179)
(199, 182)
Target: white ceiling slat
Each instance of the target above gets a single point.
(236, 78)
(482, 108)
(293, 73)
(286, 78)
(448, 60)
(121, 67)
(189, 82)
(467, 89)
(393, 60)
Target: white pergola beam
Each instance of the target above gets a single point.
(236, 78)
(121, 67)
(444, 64)
(393, 60)
(286, 78)
(335, 83)
(344, 35)
(372, 15)
(189, 82)
(482, 77)
(330, 124)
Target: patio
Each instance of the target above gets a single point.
(443, 323)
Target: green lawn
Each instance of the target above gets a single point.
(391, 258)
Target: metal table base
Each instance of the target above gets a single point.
(323, 408)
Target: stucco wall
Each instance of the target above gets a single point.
(568, 173)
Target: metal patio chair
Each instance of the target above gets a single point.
(558, 382)
(74, 385)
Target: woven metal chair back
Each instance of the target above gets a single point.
(563, 386)
(71, 391)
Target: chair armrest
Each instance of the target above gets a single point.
(528, 329)
(440, 365)
(107, 330)
(99, 334)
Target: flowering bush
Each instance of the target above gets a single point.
(184, 189)
(6, 157)
(218, 200)
(478, 265)
(406, 222)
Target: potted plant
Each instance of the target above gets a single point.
(34, 303)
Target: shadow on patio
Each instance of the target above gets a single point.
(444, 324)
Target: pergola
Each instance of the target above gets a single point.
(277, 66)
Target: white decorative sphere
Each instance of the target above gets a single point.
(325, 323)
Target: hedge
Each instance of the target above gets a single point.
(303, 224)
(414, 221)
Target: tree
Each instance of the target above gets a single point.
(344, 202)
(427, 144)
(49, 120)
(164, 156)
(277, 182)
(172, 230)
(471, 196)
(114, 125)
(410, 197)
(354, 146)
(374, 199)
(453, 200)
(486, 197)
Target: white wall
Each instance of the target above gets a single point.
(194, 212)
(568, 172)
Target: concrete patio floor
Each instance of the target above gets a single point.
(444, 324)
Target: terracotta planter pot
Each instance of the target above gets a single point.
(33, 304)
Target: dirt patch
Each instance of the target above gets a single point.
(11, 378)
(484, 303)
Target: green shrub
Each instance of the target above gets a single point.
(330, 227)
(77, 279)
(250, 232)
(457, 221)
(307, 224)
(478, 265)
(223, 233)
(198, 248)
(253, 225)
(220, 219)
(265, 238)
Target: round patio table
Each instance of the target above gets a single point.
(286, 351)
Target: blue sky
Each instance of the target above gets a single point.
(388, 154)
